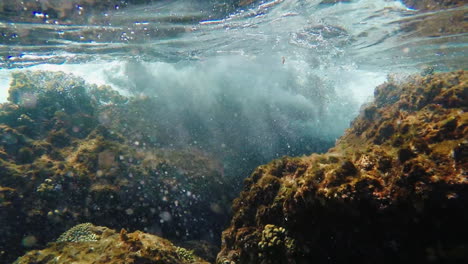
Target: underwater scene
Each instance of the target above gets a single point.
(233, 131)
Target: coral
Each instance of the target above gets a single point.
(184, 254)
(46, 186)
(79, 233)
(393, 189)
(274, 241)
(109, 247)
(201, 248)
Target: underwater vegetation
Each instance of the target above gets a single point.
(62, 163)
(392, 190)
(110, 247)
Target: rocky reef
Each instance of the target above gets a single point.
(392, 190)
(66, 158)
(86, 243)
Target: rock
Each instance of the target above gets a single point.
(66, 158)
(434, 24)
(96, 244)
(433, 4)
(393, 189)
(435, 18)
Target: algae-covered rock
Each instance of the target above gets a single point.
(62, 162)
(392, 190)
(86, 243)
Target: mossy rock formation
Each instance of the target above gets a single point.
(393, 190)
(87, 243)
(66, 159)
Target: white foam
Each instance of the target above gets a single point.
(93, 73)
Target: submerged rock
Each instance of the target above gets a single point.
(65, 158)
(433, 4)
(449, 22)
(86, 243)
(393, 189)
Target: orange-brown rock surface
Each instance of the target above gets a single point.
(101, 245)
(394, 189)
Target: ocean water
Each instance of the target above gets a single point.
(316, 58)
(258, 81)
